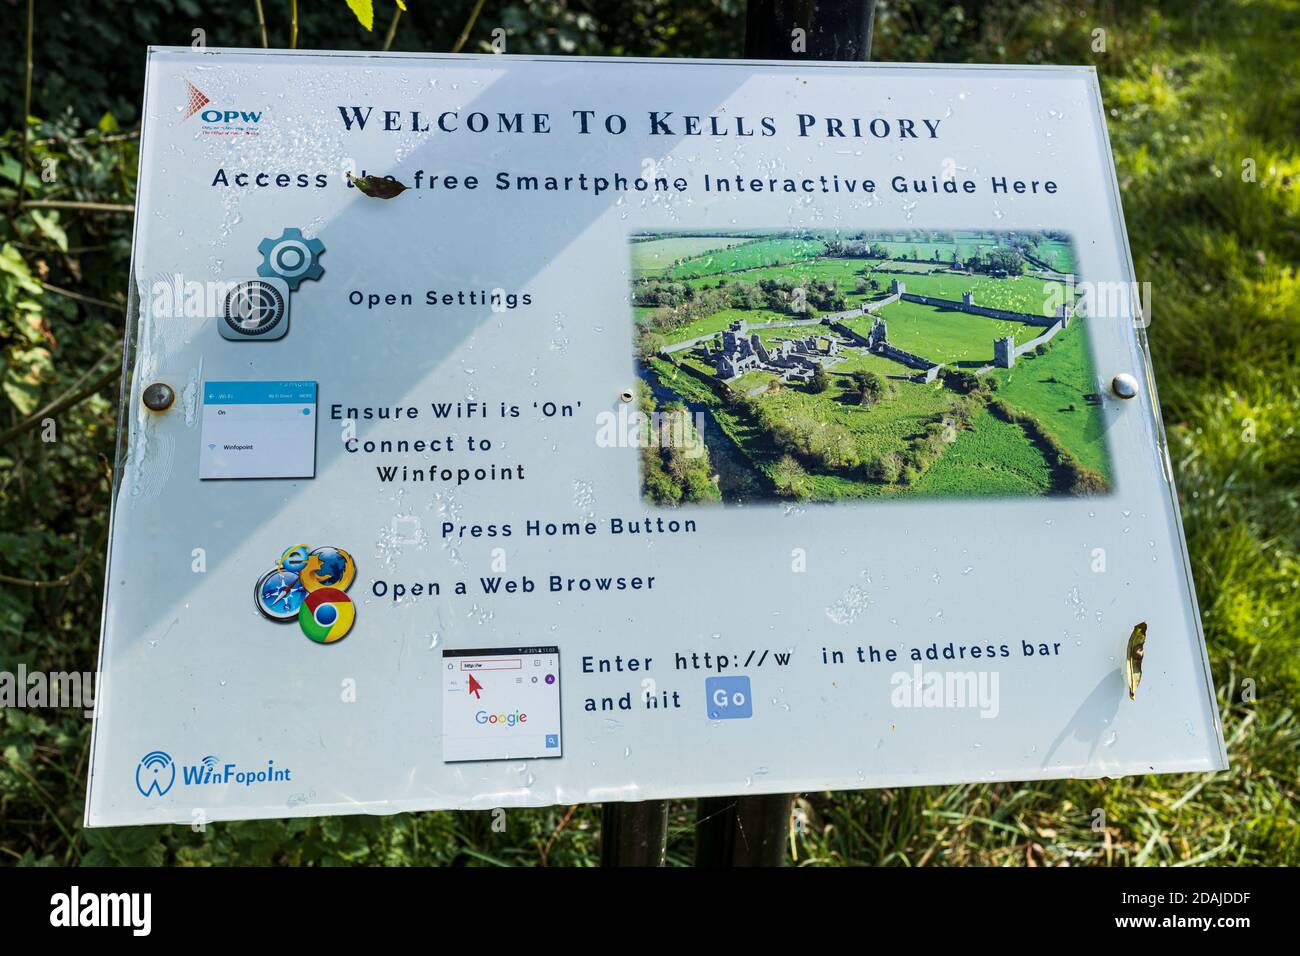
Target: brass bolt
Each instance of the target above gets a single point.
(158, 397)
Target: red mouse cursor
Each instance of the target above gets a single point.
(475, 687)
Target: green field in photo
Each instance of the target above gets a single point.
(1019, 293)
(655, 256)
(917, 434)
(993, 458)
(750, 255)
(884, 427)
(1052, 388)
(718, 321)
(1059, 255)
(936, 249)
(943, 335)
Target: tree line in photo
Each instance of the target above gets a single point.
(999, 260)
(670, 474)
(678, 304)
(805, 444)
(1000, 254)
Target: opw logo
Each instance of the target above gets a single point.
(217, 121)
(155, 774)
(195, 100)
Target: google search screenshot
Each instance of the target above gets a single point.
(500, 703)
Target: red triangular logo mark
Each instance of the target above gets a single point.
(194, 101)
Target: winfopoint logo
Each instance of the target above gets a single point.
(155, 774)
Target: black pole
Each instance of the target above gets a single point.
(752, 831)
(633, 834)
(742, 831)
(745, 831)
(809, 29)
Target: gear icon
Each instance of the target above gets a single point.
(291, 258)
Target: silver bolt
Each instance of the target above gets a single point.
(627, 395)
(1124, 385)
(158, 397)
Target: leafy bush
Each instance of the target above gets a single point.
(1194, 89)
(790, 479)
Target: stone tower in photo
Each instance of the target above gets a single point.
(879, 335)
(1004, 351)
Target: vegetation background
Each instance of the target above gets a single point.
(1203, 99)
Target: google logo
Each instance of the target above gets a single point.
(509, 720)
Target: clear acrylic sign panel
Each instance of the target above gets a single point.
(685, 428)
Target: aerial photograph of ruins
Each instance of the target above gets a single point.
(821, 366)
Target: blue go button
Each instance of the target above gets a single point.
(552, 741)
(728, 698)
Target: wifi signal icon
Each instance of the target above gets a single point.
(155, 773)
(209, 767)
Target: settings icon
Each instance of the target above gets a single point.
(291, 258)
(255, 310)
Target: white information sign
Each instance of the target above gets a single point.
(680, 429)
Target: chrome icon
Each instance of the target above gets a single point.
(280, 594)
(309, 584)
(326, 615)
(329, 568)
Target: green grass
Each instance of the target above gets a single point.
(751, 380)
(899, 266)
(761, 252)
(862, 360)
(1017, 293)
(1059, 255)
(948, 337)
(742, 431)
(656, 256)
(996, 458)
(1048, 385)
(925, 249)
(887, 426)
(843, 272)
(883, 427)
(719, 321)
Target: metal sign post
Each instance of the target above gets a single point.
(751, 831)
(634, 834)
